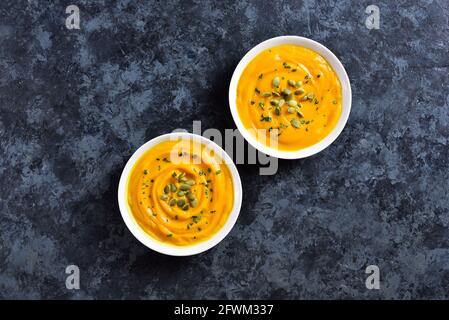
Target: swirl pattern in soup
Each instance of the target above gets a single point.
(293, 94)
(180, 192)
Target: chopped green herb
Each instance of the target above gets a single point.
(266, 119)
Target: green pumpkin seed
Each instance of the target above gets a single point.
(186, 207)
(164, 197)
(300, 114)
(193, 203)
(295, 123)
(291, 110)
(275, 94)
(181, 203)
(190, 196)
(292, 103)
(291, 83)
(281, 102)
(266, 94)
(180, 176)
(190, 182)
(257, 90)
(172, 202)
(274, 102)
(173, 187)
(276, 82)
(185, 186)
(277, 111)
(299, 92)
(286, 92)
(166, 189)
(310, 95)
(181, 193)
(298, 83)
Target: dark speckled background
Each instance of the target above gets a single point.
(75, 104)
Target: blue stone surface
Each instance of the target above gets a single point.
(75, 104)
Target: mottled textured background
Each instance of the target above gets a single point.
(75, 104)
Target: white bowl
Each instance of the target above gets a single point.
(331, 59)
(161, 247)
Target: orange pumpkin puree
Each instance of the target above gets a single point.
(180, 192)
(291, 91)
